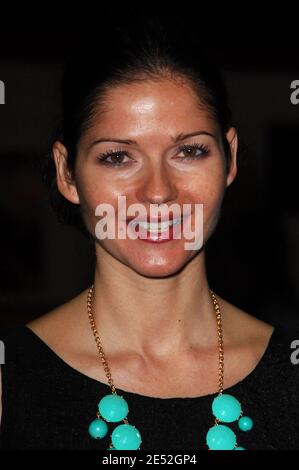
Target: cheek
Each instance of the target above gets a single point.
(92, 190)
(91, 194)
(212, 196)
(206, 187)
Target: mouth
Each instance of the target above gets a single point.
(158, 231)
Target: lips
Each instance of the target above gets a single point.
(162, 229)
(159, 219)
(158, 227)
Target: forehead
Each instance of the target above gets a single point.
(151, 104)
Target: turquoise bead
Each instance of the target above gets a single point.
(113, 408)
(245, 423)
(239, 448)
(221, 437)
(126, 437)
(98, 429)
(226, 408)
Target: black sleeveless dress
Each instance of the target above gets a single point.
(47, 404)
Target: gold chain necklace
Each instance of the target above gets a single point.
(104, 360)
(114, 408)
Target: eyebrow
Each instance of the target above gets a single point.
(175, 139)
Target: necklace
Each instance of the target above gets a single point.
(114, 408)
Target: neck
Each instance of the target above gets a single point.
(156, 318)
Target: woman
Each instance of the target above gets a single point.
(147, 119)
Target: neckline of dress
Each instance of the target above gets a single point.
(250, 376)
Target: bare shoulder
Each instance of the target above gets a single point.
(244, 328)
(61, 323)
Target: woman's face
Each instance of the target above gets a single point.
(154, 169)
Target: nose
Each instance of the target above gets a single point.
(157, 187)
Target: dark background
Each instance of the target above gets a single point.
(253, 257)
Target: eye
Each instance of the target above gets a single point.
(194, 151)
(116, 157)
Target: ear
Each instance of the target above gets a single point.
(232, 138)
(65, 181)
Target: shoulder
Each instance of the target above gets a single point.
(63, 320)
(65, 329)
(274, 348)
(243, 328)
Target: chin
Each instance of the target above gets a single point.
(159, 267)
(156, 271)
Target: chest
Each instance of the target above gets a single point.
(189, 377)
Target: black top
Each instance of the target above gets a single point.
(47, 404)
